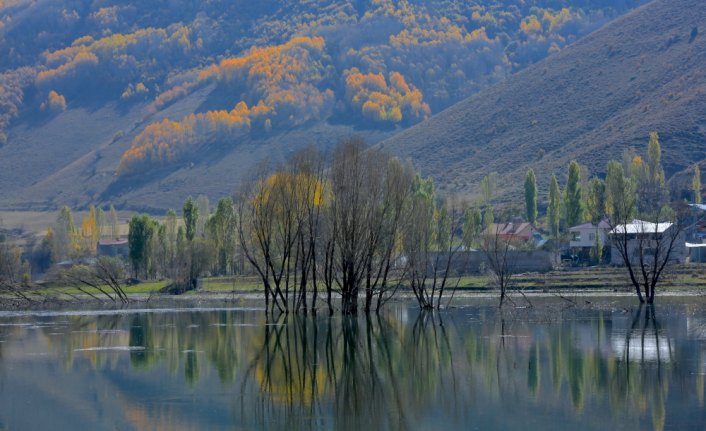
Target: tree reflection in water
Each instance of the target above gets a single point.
(469, 367)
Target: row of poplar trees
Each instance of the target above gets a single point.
(640, 180)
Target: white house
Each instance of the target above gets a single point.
(584, 235)
(646, 233)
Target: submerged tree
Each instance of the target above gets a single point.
(428, 241)
(498, 248)
(646, 244)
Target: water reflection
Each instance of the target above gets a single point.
(470, 367)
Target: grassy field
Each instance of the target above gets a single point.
(682, 278)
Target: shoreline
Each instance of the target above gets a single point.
(255, 300)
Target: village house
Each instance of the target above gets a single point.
(584, 238)
(523, 232)
(643, 234)
(113, 247)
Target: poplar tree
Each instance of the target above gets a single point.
(554, 207)
(572, 195)
(696, 184)
(114, 223)
(191, 216)
(142, 229)
(531, 196)
(595, 201)
(64, 235)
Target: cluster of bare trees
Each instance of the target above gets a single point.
(360, 225)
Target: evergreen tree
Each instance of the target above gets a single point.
(554, 207)
(572, 195)
(531, 196)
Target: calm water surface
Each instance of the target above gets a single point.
(468, 368)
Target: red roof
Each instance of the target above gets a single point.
(522, 230)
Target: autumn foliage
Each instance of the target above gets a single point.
(55, 102)
(379, 100)
(167, 141)
(389, 62)
(281, 83)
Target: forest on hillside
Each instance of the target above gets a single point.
(270, 65)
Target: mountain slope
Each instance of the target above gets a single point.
(645, 71)
(142, 103)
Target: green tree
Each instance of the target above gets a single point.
(595, 201)
(191, 216)
(654, 160)
(114, 223)
(100, 222)
(696, 184)
(649, 179)
(170, 223)
(554, 207)
(572, 195)
(472, 226)
(487, 187)
(531, 196)
(204, 214)
(222, 227)
(142, 229)
(64, 244)
(488, 217)
(619, 193)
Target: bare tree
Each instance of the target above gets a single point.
(647, 249)
(255, 229)
(103, 277)
(307, 167)
(429, 243)
(350, 213)
(497, 247)
(369, 191)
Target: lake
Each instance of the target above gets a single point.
(551, 367)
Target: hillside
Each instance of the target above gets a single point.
(142, 103)
(645, 71)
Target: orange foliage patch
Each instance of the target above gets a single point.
(379, 101)
(167, 141)
(280, 82)
(116, 49)
(55, 102)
